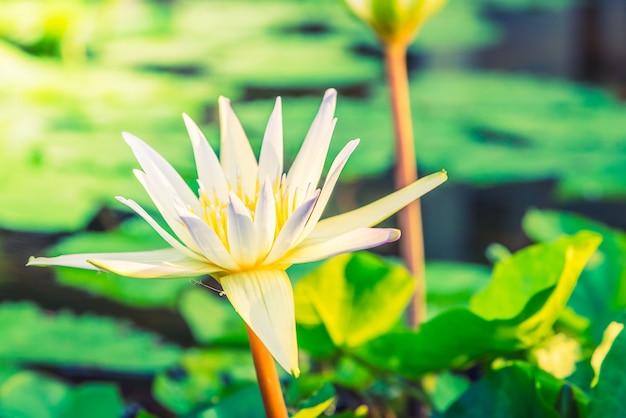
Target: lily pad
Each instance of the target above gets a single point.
(29, 394)
(34, 337)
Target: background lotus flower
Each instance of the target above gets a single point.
(249, 220)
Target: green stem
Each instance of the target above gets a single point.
(410, 218)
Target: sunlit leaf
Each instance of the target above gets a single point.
(357, 297)
(459, 336)
(608, 394)
(600, 294)
(532, 270)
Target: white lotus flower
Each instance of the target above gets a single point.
(249, 221)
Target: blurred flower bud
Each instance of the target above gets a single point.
(395, 21)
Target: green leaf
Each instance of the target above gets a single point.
(532, 270)
(356, 296)
(608, 395)
(203, 379)
(447, 389)
(457, 337)
(516, 390)
(212, 319)
(244, 403)
(453, 284)
(450, 340)
(132, 235)
(28, 394)
(33, 336)
(600, 294)
(317, 403)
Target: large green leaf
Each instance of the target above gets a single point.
(32, 336)
(457, 337)
(357, 297)
(27, 394)
(600, 294)
(132, 235)
(450, 340)
(532, 270)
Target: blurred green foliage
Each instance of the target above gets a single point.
(75, 73)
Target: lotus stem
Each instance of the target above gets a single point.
(266, 375)
(410, 218)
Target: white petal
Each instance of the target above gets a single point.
(207, 240)
(159, 229)
(236, 156)
(264, 299)
(358, 239)
(265, 218)
(143, 264)
(291, 230)
(210, 172)
(242, 236)
(164, 203)
(377, 211)
(159, 169)
(309, 163)
(329, 184)
(271, 157)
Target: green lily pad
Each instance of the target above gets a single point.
(32, 336)
(60, 131)
(29, 394)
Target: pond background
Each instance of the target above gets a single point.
(521, 101)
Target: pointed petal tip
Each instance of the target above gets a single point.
(129, 138)
(32, 261)
(295, 372)
(330, 92)
(394, 235)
